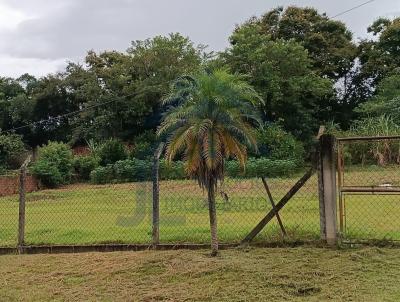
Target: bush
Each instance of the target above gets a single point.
(102, 175)
(11, 147)
(123, 171)
(144, 145)
(170, 171)
(276, 143)
(381, 152)
(132, 170)
(111, 151)
(48, 174)
(258, 167)
(54, 164)
(141, 170)
(84, 165)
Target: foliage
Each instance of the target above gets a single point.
(172, 170)
(11, 146)
(111, 151)
(379, 57)
(131, 83)
(210, 121)
(144, 145)
(328, 42)
(281, 71)
(94, 146)
(54, 164)
(48, 174)
(123, 171)
(132, 170)
(381, 152)
(135, 170)
(305, 66)
(84, 165)
(276, 143)
(103, 175)
(386, 101)
(262, 167)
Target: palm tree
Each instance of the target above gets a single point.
(209, 120)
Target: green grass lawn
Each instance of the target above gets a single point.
(121, 213)
(89, 214)
(294, 274)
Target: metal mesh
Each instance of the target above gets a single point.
(87, 214)
(241, 204)
(369, 189)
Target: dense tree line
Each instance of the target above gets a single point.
(307, 68)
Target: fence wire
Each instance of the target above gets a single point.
(88, 214)
(369, 189)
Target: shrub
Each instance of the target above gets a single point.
(258, 167)
(170, 171)
(48, 174)
(132, 170)
(141, 170)
(83, 165)
(123, 171)
(276, 143)
(144, 145)
(111, 151)
(381, 152)
(11, 147)
(102, 175)
(54, 164)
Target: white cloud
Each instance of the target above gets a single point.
(14, 67)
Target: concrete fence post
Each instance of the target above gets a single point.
(327, 189)
(21, 211)
(156, 195)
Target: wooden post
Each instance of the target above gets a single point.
(327, 189)
(279, 206)
(271, 199)
(156, 195)
(21, 214)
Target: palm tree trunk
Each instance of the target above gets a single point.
(213, 219)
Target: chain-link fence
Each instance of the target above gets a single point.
(241, 204)
(88, 214)
(83, 214)
(369, 188)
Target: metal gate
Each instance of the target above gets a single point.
(369, 188)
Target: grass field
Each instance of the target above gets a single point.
(121, 213)
(89, 214)
(297, 274)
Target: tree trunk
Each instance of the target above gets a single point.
(213, 219)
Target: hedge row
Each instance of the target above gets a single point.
(132, 170)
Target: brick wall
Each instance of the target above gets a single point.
(81, 150)
(9, 185)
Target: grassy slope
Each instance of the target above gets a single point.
(300, 274)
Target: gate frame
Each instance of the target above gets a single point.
(342, 189)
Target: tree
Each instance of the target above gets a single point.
(131, 83)
(210, 122)
(328, 42)
(11, 147)
(331, 51)
(386, 101)
(281, 72)
(379, 57)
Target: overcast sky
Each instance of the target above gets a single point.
(39, 36)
